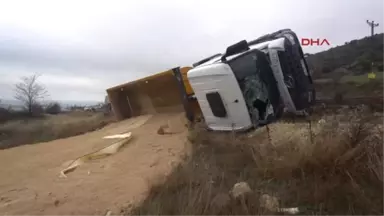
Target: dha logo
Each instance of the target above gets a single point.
(314, 42)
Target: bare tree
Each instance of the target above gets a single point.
(29, 92)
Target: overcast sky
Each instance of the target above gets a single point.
(83, 47)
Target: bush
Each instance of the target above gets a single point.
(338, 98)
(358, 56)
(365, 65)
(380, 68)
(37, 110)
(9, 115)
(5, 114)
(326, 70)
(53, 108)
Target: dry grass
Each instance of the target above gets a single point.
(339, 172)
(49, 127)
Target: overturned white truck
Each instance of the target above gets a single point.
(253, 83)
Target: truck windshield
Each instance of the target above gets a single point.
(255, 91)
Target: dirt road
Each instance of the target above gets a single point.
(29, 175)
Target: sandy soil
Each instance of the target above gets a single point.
(29, 175)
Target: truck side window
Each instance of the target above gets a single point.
(216, 104)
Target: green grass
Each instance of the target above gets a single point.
(360, 79)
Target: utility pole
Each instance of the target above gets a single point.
(373, 25)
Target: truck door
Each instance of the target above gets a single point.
(220, 98)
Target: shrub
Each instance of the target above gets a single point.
(326, 70)
(365, 65)
(380, 68)
(53, 108)
(338, 98)
(37, 110)
(5, 114)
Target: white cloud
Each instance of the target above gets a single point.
(70, 81)
(86, 46)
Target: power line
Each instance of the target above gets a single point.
(373, 25)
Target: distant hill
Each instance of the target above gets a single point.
(354, 57)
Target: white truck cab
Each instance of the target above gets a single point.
(252, 83)
(220, 97)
